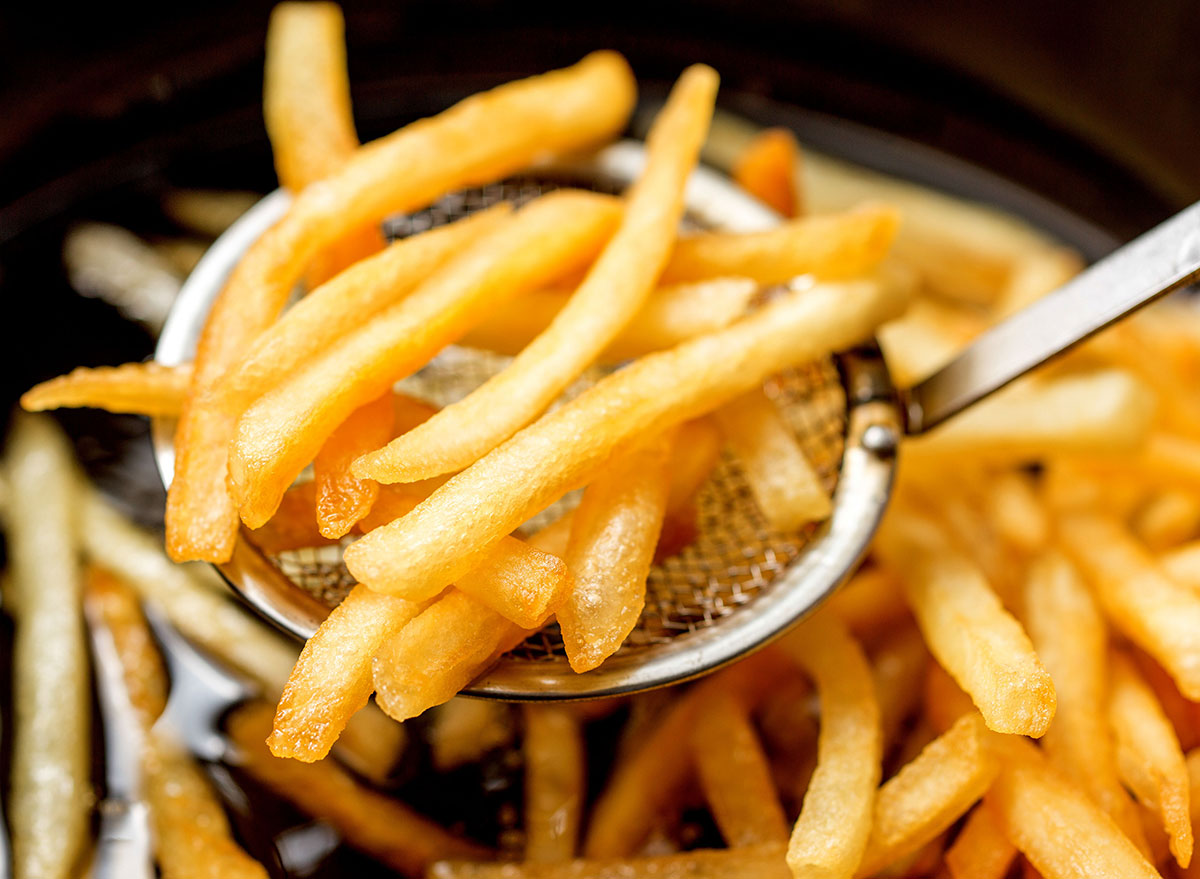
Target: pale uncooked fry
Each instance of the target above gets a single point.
(966, 628)
(756, 862)
(611, 294)
(1105, 411)
(341, 500)
(734, 774)
(768, 168)
(482, 138)
(562, 449)
(50, 795)
(832, 247)
(146, 388)
(208, 212)
(281, 432)
(371, 822)
(929, 794)
(785, 486)
(555, 775)
(1054, 824)
(1070, 637)
(1167, 519)
(1149, 758)
(1159, 614)
(114, 265)
(981, 850)
(870, 604)
(462, 730)
(614, 532)
(669, 315)
(898, 665)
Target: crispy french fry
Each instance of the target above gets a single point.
(961, 514)
(280, 433)
(555, 774)
(945, 701)
(342, 500)
(967, 630)
(1016, 512)
(930, 793)
(462, 730)
(613, 291)
(768, 168)
(1183, 714)
(755, 862)
(981, 850)
(565, 447)
(1149, 758)
(50, 795)
(614, 532)
(294, 525)
(1182, 564)
(787, 490)
(898, 669)
(1167, 519)
(114, 605)
(1069, 635)
(669, 315)
(481, 138)
(832, 247)
(147, 388)
(381, 826)
(1154, 611)
(870, 604)
(734, 773)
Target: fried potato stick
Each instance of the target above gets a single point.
(555, 775)
(563, 449)
(50, 795)
(613, 291)
(342, 500)
(147, 388)
(756, 862)
(280, 433)
(614, 532)
(294, 525)
(981, 850)
(481, 138)
(870, 604)
(768, 169)
(463, 730)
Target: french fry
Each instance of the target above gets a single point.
(119, 268)
(669, 315)
(930, 793)
(1149, 758)
(481, 138)
(1070, 637)
(1183, 714)
(1016, 512)
(147, 388)
(898, 669)
(696, 452)
(555, 774)
(767, 169)
(207, 212)
(50, 795)
(1182, 564)
(183, 254)
(787, 490)
(945, 702)
(1167, 519)
(462, 730)
(294, 525)
(1033, 276)
(613, 291)
(961, 515)
(870, 604)
(114, 605)
(1054, 824)
(563, 449)
(614, 532)
(734, 773)
(281, 432)
(981, 850)
(381, 826)
(966, 628)
(439, 652)
(787, 722)
(830, 836)
(1154, 611)
(342, 500)
(926, 338)
(756, 862)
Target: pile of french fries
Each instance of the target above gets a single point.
(1010, 682)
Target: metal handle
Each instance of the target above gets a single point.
(1161, 260)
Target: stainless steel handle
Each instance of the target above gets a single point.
(1161, 260)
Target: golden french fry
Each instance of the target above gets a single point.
(754, 862)
(734, 774)
(787, 490)
(929, 794)
(294, 525)
(830, 836)
(1182, 713)
(1016, 512)
(147, 388)
(481, 138)
(342, 500)
(563, 449)
(768, 168)
(1054, 824)
(898, 665)
(870, 604)
(1182, 564)
(696, 452)
(612, 292)
(832, 247)
(1167, 519)
(114, 605)
(462, 730)
(1070, 637)
(981, 850)
(439, 652)
(1154, 611)
(925, 338)
(669, 315)
(787, 721)
(614, 532)
(982, 646)
(281, 432)
(961, 514)
(51, 794)
(380, 826)
(555, 775)
(1149, 758)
